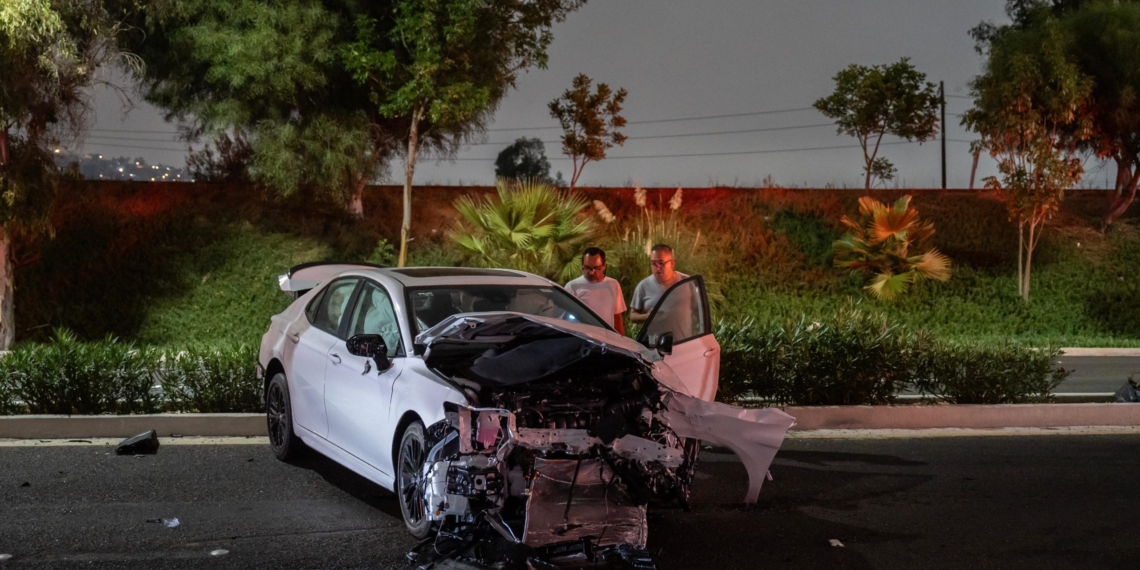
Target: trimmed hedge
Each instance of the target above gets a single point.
(853, 358)
(857, 357)
(111, 377)
(1001, 373)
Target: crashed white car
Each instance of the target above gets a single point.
(515, 426)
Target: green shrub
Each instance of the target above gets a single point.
(854, 357)
(212, 380)
(813, 237)
(68, 376)
(1000, 373)
(87, 378)
(433, 254)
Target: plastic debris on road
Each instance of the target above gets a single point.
(168, 523)
(142, 444)
(835, 543)
(1129, 392)
(219, 552)
(4, 557)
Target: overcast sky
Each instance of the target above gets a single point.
(682, 58)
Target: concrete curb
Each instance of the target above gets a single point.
(86, 427)
(1092, 351)
(811, 418)
(964, 416)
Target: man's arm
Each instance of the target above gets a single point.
(637, 316)
(619, 323)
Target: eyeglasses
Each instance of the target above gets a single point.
(660, 263)
(594, 268)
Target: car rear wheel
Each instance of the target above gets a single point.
(409, 471)
(279, 416)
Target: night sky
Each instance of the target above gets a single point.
(681, 59)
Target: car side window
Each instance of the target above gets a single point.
(333, 305)
(374, 314)
(314, 304)
(680, 313)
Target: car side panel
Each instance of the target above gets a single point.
(420, 391)
(345, 459)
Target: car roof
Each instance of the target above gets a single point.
(422, 276)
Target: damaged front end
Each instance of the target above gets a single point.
(567, 441)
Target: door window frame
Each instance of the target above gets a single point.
(342, 325)
(643, 334)
(346, 326)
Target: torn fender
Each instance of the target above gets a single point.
(755, 434)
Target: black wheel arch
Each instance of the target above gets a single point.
(406, 420)
(274, 368)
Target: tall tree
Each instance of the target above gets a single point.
(1106, 47)
(870, 102)
(589, 121)
(442, 66)
(1029, 110)
(49, 52)
(269, 70)
(525, 159)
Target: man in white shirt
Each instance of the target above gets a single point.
(600, 293)
(650, 289)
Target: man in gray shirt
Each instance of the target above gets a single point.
(650, 289)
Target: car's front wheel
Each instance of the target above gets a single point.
(279, 416)
(409, 471)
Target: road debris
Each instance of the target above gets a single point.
(1129, 392)
(168, 523)
(4, 557)
(219, 552)
(25, 484)
(835, 543)
(142, 444)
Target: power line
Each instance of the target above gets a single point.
(133, 139)
(100, 145)
(678, 135)
(135, 131)
(655, 121)
(682, 135)
(731, 153)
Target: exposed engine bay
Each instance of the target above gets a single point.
(565, 443)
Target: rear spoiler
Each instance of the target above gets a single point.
(302, 278)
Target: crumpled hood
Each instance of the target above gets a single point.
(506, 348)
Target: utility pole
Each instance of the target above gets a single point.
(942, 96)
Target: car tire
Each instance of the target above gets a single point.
(279, 419)
(409, 468)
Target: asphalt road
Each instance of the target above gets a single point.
(1033, 502)
(1097, 374)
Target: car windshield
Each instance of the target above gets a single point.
(430, 305)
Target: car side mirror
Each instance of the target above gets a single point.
(370, 346)
(665, 343)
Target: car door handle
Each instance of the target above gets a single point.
(710, 352)
(295, 337)
(334, 357)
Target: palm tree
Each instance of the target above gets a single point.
(890, 244)
(529, 225)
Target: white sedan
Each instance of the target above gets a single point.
(491, 401)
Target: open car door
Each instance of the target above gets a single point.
(680, 328)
